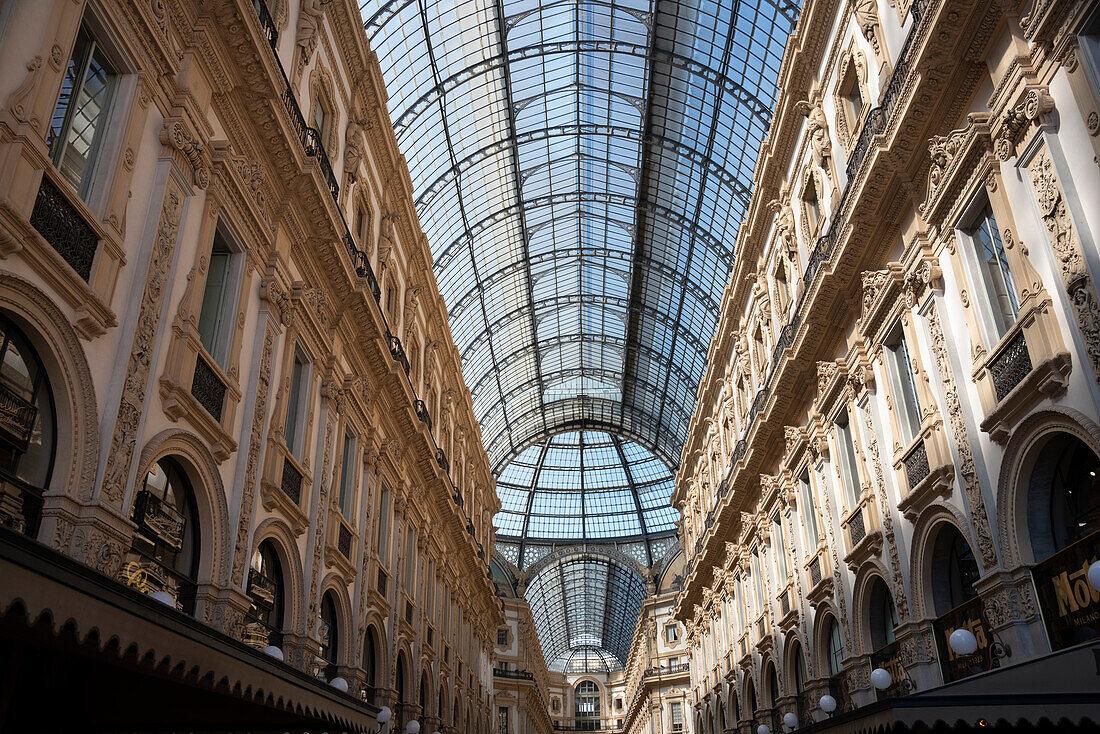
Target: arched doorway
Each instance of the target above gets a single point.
(330, 635)
(168, 537)
(799, 675)
(267, 597)
(831, 647)
(28, 433)
(882, 619)
(371, 662)
(953, 573)
(399, 683)
(1063, 526)
(587, 706)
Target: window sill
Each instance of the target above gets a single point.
(178, 400)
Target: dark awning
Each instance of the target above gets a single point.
(82, 652)
(1056, 692)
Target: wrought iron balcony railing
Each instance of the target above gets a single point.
(63, 226)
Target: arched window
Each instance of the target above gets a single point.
(400, 679)
(267, 594)
(883, 615)
(800, 674)
(28, 435)
(423, 695)
(587, 709)
(370, 658)
(954, 570)
(773, 686)
(834, 647)
(1063, 503)
(168, 535)
(330, 634)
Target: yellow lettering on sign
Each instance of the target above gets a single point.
(136, 576)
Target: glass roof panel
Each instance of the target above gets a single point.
(585, 485)
(580, 168)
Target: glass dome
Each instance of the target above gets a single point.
(585, 485)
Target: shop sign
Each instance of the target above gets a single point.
(1071, 607)
(971, 616)
(888, 657)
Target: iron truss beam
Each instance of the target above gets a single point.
(495, 64)
(677, 147)
(578, 412)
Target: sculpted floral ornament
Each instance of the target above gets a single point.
(175, 136)
(1036, 103)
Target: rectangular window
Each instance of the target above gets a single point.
(361, 225)
(1089, 42)
(79, 120)
(676, 716)
(900, 367)
(782, 289)
(502, 637)
(846, 448)
(218, 300)
(672, 633)
(809, 511)
(502, 718)
(296, 405)
(758, 580)
(383, 524)
(319, 118)
(991, 273)
(780, 549)
(347, 474)
(410, 561)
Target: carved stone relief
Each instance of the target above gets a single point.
(121, 453)
(979, 519)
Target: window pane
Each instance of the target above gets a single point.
(83, 105)
(849, 475)
(347, 475)
(212, 322)
(905, 387)
(996, 275)
(294, 406)
(809, 511)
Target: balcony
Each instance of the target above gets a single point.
(158, 520)
(441, 459)
(862, 531)
(310, 141)
(1028, 365)
(925, 469)
(291, 483)
(819, 571)
(514, 674)
(397, 351)
(208, 388)
(423, 414)
(66, 230)
(17, 417)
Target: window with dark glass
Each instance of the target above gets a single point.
(329, 633)
(883, 615)
(297, 400)
(347, 474)
(502, 720)
(849, 473)
(79, 122)
(28, 434)
(852, 97)
(954, 570)
(502, 637)
(168, 533)
(992, 274)
(835, 648)
(383, 524)
(217, 317)
(266, 596)
(904, 387)
(782, 288)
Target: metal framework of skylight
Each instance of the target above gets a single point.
(585, 486)
(580, 168)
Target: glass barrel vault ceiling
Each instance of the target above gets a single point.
(584, 485)
(580, 168)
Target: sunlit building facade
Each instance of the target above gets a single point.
(897, 435)
(239, 471)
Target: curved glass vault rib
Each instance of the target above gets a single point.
(585, 486)
(580, 168)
